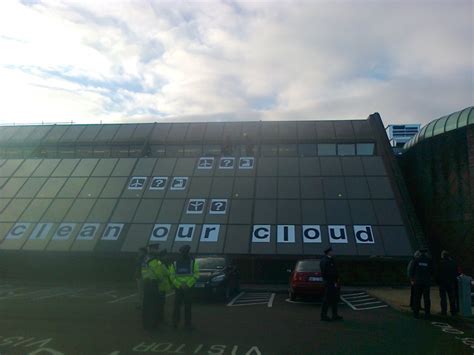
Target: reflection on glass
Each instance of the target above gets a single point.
(269, 150)
(287, 150)
(307, 150)
(192, 151)
(345, 149)
(212, 150)
(326, 149)
(365, 148)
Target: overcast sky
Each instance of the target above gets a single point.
(129, 61)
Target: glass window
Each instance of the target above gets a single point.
(101, 151)
(107, 133)
(89, 133)
(79, 210)
(214, 131)
(27, 168)
(307, 150)
(212, 150)
(287, 150)
(287, 130)
(57, 210)
(177, 132)
(452, 121)
(84, 151)
(463, 118)
(346, 149)
(66, 152)
(124, 133)
(55, 134)
(93, 187)
(326, 149)
(308, 265)
(119, 151)
(174, 150)
(268, 150)
(114, 187)
(192, 150)
(72, 133)
(13, 152)
(160, 132)
(125, 210)
(35, 210)
(141, 132)
(195, 132)
(135, 151)
(14, 209)
(365, 148)
(429, 129)
(158, 150)
(325, 130)
(439, 126)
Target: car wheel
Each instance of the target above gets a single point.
(292, 296)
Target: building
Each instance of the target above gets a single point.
(438, 164)
(398, 135)
(255, 190)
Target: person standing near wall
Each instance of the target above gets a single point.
(420, 275)
(184, 273)
(331, 286)
(412, 288)
(447, 280)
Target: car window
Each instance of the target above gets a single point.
(211, 263)
(308, 265)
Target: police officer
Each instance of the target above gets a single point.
(447, 279)
(331, 283)
(151, 277)
(412, 288)
(161, 270)
(420, 275)
(184, 273)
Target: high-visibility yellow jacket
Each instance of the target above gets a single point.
(184, 272)
(154, 269)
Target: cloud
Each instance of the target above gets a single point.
(91, 61)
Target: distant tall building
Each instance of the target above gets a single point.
(398, 135)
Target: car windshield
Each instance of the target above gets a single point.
(308, 265)
(211, 263)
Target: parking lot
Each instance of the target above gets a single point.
(58, 319)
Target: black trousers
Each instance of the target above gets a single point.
(331, 298)
(150, 307)
(421, 290)
(183, 297)
(448, 291)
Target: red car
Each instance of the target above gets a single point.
(306, 279)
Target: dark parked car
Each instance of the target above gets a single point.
(306, 279)
(218, 276)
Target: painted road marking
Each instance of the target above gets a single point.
(252, 299)
(362, 301)
(122, 298)
(61, 293)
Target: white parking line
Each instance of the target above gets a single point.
(61, 294)
(248, 304)
(21, 294)
(355, 297)
(270, 302)
(357, 302)
(363, 304)
(122, 298)
(375, 307)
(235, 299)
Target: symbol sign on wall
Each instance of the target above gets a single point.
(112, 231)
(196, 206)
(179, 183)
(311, 234)
(226, 163)
(17, 231)
(363, 235)
(246, 163)
(205, 163)
(137, 183)
(158, 183)
(218, 206)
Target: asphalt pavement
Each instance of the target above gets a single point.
(56, 319)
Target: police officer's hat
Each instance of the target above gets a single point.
(184, 249)
(327, 250)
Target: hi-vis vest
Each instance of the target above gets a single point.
(184, 272)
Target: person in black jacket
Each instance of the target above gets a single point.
(420, 275)
(142, 255)
(331, 283)
(447, 278)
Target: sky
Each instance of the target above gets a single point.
(146, 61)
